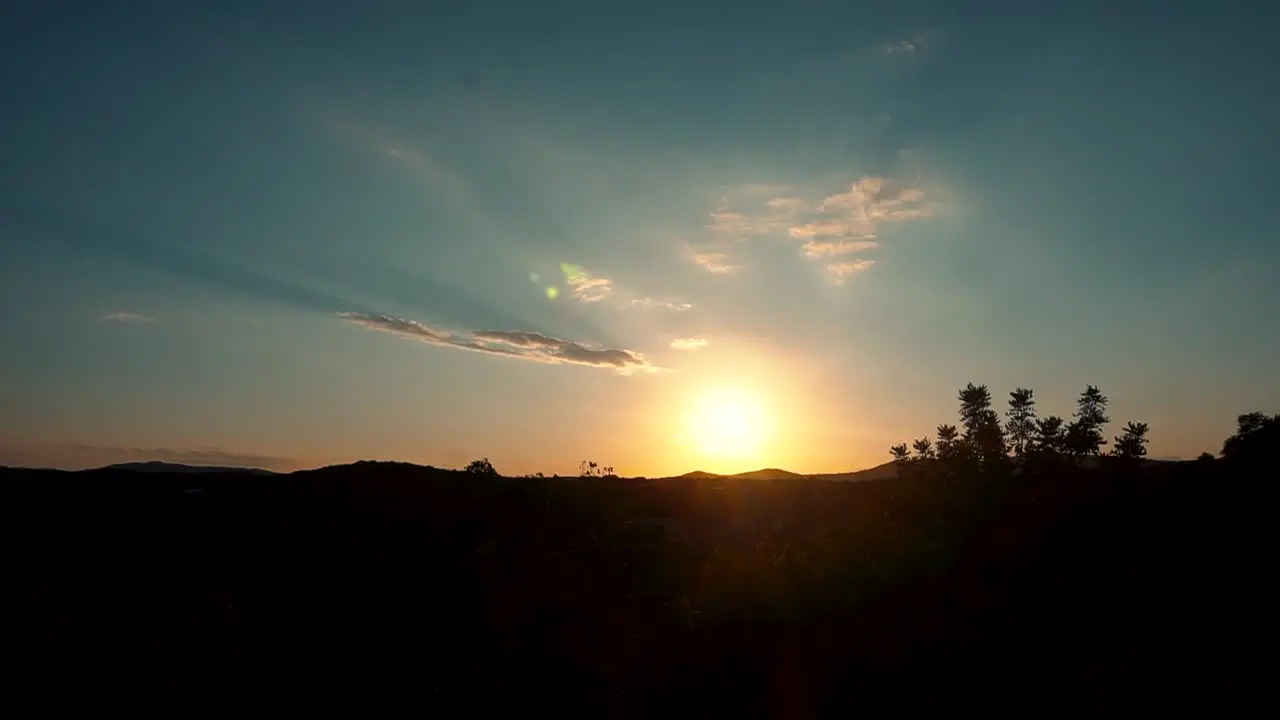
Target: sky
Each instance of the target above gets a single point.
(662, 236)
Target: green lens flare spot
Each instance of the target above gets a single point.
(553, 293)
(573, 273)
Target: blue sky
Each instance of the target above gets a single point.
(252, 234)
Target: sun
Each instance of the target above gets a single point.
(727, 424)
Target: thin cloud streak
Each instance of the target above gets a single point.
(842, 271)
(127, 318)
(516, 344)
(689, 343)
(588, 288)
(716, 263)
(827, 248)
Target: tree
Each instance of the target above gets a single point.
(1132, 443)
(1050, 437)
(983, 435)
(923, 448)
(948, 442)
(900, 453)
(481, 467)
(1205, 457)
(1021, 426)
(1084, 434)
(1257, 438)
(591, 469)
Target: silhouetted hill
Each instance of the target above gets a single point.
(767, 474)
(699, 475)
(1117, 590)
(157, 466)
(879, 472)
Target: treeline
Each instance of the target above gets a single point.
(1024, 438)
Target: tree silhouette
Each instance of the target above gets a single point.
(1131, 444)
(948, 442)
(592, 469)
(481, 467)
(1048, 443)
(983, 435)
(1084, 434)
(923, 448)
(900, 453)
(1021, 426)
(1257, 438)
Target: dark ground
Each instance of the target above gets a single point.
(1112, 592)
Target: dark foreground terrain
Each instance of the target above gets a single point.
(1115, 591)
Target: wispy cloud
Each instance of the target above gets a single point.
(590, 288)
(508, 343)
(584, 286)
(839, 272)
(901, 47)
(692, 343)
(714, 262)
(738, 225)
(827, 248)
(674, 305)
(417, 161)
(833, 226)
(127, 318)
(909, 46)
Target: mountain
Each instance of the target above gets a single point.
(157, 466)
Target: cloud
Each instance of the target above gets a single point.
(909, 47)
(589, 288)
(72, 456)
(689, 343)
(737, 225)
(825, 248)
(586, 287)
(842, 271)
(126, 318)
(517, 344)
(417, 161)
(820, 229)
(674, 305)
(901, 47)
(833, 226)
(714, 262)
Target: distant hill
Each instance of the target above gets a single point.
(767, 474)
(699, 475)
(878, 472)
(157, 466)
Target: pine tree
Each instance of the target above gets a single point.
(1021, 426)
(923, 448)
(1132, 443)
(1084, 434)
(983, 435)
(1050, 437)
(900, 453)
(948, 442)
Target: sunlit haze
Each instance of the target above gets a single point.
(664, 237)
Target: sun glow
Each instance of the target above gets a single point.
(727, 424)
